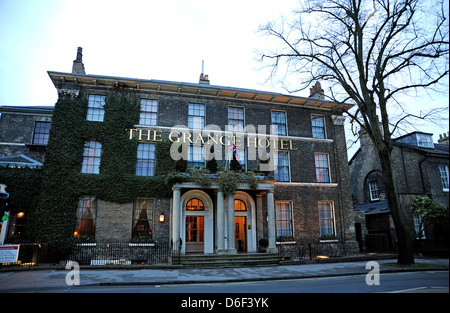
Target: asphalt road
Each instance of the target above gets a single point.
(405, 282)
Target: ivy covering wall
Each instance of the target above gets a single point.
(62, 180)
(50, 195)
(24, 187)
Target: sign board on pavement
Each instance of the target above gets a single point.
(9, 253)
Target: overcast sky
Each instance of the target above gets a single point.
(165, 40)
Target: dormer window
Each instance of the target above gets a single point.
(424, 140)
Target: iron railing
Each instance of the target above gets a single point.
(94, 253)
(307, 250)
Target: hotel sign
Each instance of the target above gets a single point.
(256, 143)
(211, 137)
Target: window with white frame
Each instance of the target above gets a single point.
(96, 108)
(373, 190)
(318, 126)
(326, 219)
(145, 165)
(281, 171)
(279, 123)
(283, 215)
(424, 140)
(443, 171)
(91, 157)
(418, 226)
(149, 112)
(240, 154)
(196, 116)
(322, 168)
(196, 156)
(236, 119)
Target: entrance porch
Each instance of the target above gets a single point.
(208, 222)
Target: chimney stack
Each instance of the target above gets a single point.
(443, 139)
(78, 66)
(317, 92)
(203, 79)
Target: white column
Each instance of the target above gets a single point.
(259, 216)
(176, 215)
(230, 221)
(271, 224)
(220, 222)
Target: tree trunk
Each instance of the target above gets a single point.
(401, 220)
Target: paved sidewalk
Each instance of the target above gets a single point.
(11, 281)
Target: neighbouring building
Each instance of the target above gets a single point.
(209, 169)
(24, 133)
(420, 168)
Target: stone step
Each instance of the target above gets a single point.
(227, 260)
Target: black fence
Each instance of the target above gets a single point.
(308, 250)
(377, 243)
(98, 253)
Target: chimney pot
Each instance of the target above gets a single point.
(204, 79)
(78, 66)
(79, 54)
(316, 91)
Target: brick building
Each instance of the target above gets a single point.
(24, 133)
(289, 154)
(420, 168)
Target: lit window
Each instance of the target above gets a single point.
(279, 122)
(239, 205)
(195, 205)
(91, 157)
(282, 166)
(41, 133)
(145, 165)
(149, 112)
(443, 170)
(326, 218)
(86, 215)
(283, 213)
(322, 169)
(373, 190)
(318, 126)
(142, 219)
(196, 118)
(96, 108)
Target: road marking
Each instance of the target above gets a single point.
(406, 290)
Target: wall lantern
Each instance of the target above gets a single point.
(20, 214)
(162, 218)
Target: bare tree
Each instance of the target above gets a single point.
(371, 52)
